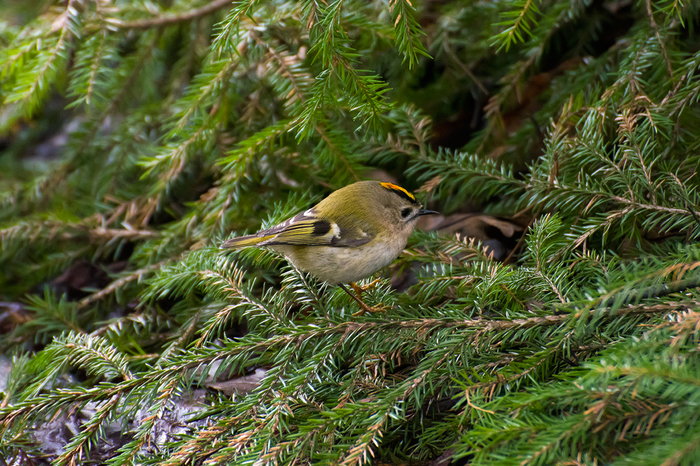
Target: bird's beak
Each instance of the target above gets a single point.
(427, 212)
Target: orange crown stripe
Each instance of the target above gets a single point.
(398, 188)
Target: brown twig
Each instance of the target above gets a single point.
(658, 37)
(463, 67)
(167, 20)
(521, 240)
(116, 284)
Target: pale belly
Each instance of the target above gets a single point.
(342, 265)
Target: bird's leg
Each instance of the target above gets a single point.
(364, 307)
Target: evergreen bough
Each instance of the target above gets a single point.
(186, 120)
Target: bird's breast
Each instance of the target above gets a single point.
(343, 264)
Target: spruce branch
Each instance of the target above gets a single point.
(582, 349)
(407, 31)
(523, 18)
(168, 20)
(77, 448)
(32, 85)
(120, 283)
(658, 38)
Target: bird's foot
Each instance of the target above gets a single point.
(361, 289)
(365, 309)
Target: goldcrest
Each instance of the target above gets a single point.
(346, 237)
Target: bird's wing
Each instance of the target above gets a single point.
(305, 229)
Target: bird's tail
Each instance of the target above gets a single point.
(243, 241)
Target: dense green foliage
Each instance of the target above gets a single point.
(173, 124)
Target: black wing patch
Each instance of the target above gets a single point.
(321, 227)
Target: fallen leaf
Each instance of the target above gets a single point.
(240, 385)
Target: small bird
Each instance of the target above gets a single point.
(346, 237)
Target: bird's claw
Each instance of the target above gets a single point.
(370, 310)
(361, 289)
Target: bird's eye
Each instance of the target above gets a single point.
(406, 212)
